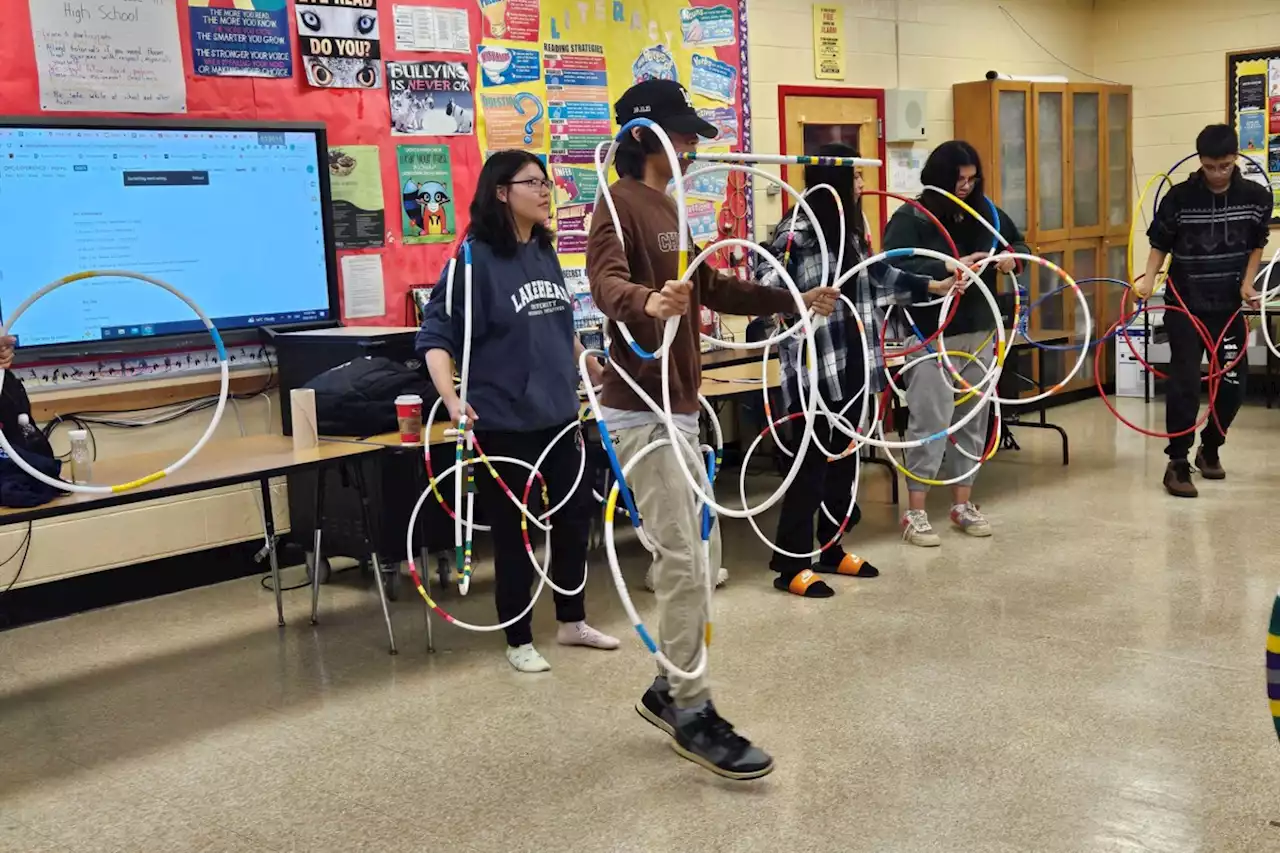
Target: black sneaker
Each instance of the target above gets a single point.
(656, 707)
(1209, 465)
(709, 739)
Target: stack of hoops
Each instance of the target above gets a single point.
(859, 420)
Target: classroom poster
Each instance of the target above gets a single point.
(249, 40)
(513, 121)
(590, 52)
(504, 66)
(90, 61)
(427, 28)
(713, 79)
(709, 26)
(1255, 113)
(426, 181)
(1253, 131)
(702, 220)
(1252, 92)
(725, 121)
(338, 40)
(355, 186)
(512, 20)
(430, 99)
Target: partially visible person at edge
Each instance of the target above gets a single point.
(953, 166)
(841, 366)
(1215, 224)
(522, 391)
(633, 281)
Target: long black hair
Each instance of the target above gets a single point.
(942, 170)
(632, 153)
(842, 179)
(491, 218)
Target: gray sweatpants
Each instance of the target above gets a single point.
(931, 407)
(668, 511)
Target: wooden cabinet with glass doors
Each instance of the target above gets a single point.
(1056, 158)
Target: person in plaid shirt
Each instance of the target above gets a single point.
(842, 369)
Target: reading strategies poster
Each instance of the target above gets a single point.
(427, 194)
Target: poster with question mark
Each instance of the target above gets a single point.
(514, 121)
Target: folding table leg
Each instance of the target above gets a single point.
(269, 524)
(316, 555)
(366, 518)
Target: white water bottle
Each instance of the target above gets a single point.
(27, 428)
(81, 458)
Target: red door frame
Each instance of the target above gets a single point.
(876, 95)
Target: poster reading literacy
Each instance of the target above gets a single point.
(249, 40)
(430, 99)
(94, 57)
(355, 187)
(338, 40)
(426, 181)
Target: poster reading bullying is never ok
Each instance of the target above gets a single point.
(339, 43)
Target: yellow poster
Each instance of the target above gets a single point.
(556, 97)
(828, 42)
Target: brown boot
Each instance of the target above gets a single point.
(1177, 479)
(1208, 464)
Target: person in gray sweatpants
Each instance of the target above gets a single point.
(933, 407)
(931, 402)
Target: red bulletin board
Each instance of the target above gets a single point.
(353, 117)
(629, 30)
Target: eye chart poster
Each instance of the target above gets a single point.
(338, 40)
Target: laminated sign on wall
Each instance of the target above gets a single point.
(338, 40)
(99, 57)
(828, 42)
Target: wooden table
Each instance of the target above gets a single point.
(1028, 340)
(221, 463)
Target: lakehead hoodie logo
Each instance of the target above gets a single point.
(540, 297)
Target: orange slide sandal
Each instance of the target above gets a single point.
(851, 566)
(806, 585)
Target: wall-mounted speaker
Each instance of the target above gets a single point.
(905, 112)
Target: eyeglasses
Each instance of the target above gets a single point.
(1218, 168)
(540, 184)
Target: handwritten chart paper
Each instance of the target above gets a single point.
(113, 56)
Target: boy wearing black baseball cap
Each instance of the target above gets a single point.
(634, 281)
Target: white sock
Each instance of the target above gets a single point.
(526, 658)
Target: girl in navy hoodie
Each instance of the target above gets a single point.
(522, 390)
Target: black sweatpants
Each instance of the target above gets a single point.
(1182, 389)
(817, 481)
(515, 575)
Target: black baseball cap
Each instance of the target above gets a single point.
(666, 103)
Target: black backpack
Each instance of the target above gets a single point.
(17, 487)
(359, 398)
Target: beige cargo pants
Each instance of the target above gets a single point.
(668, 510)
